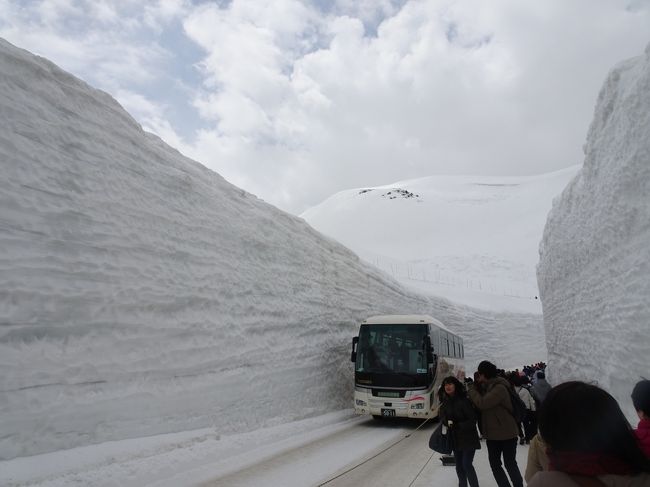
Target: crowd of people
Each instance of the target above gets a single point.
(577, 433)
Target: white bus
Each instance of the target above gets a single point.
(400, 362)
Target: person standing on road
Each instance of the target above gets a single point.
(540, 388)
(457, 413)
(499, 427)
(530, 421)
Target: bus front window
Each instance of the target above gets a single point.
(391, 349)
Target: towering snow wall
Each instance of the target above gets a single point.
(140, 293)
(594, 271)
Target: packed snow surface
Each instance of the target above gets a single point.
(594, 271)
(142, 294)
(471, 239)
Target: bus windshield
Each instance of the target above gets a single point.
(394, 348)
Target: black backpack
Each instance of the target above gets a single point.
(519, 409)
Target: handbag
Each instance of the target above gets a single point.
(441, 442)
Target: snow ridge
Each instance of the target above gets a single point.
(471, 239)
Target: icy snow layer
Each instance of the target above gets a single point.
(594, 272)
(471, 239)
(140, 293)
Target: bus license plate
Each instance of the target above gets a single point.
(387, 413)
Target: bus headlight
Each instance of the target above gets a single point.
(359, 402)
(417, 405)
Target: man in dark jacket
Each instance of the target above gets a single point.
(498, 424)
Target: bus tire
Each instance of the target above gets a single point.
(377, 417)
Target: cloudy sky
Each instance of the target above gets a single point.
(296, 100)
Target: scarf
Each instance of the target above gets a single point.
(588, 464)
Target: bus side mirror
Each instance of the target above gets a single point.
(353, 355)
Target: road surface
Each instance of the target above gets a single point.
(366, 453)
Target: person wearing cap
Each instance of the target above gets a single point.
(499, 427)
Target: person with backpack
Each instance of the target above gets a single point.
(498, 423)
(457, 413)
(530, 418)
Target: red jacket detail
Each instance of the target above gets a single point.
(643, 435)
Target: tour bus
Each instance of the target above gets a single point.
(400, 362)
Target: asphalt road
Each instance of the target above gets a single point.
(368, 453)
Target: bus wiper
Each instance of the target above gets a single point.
(405, 374)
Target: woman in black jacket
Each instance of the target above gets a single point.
(457, 413)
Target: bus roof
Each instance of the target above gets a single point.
(404, 320)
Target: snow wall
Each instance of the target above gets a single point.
(140, 293)
(594, 270)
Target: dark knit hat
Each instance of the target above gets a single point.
(641, 396)
(488, 369)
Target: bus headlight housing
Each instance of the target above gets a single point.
(360, 402)
(417, 405)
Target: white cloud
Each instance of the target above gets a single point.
(162, 12)
(370, 12)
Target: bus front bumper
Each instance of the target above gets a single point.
(409, 407)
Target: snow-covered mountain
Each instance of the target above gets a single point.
(471, 239)
(594, 271)
(143, 294)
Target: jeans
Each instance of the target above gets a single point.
(465, 469)
(507, 448)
